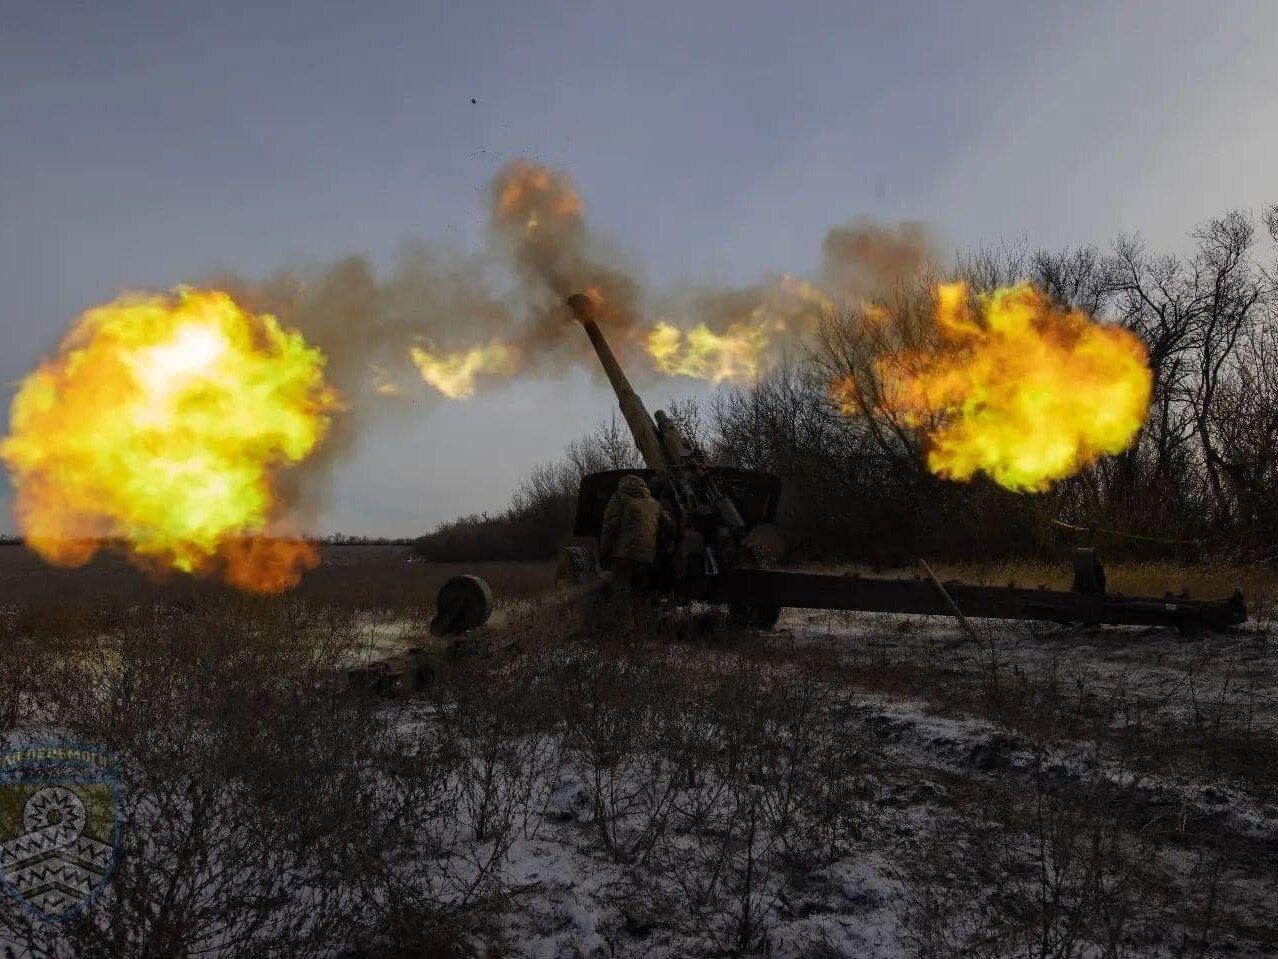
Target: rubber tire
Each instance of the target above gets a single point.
(464, 603)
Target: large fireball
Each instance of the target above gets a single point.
(163, 425)
(1017, 387)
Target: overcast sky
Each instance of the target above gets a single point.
(143, 144)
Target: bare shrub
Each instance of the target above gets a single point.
(1066, 870)
(421, 882)
(614, 705)
(767, 783)
(722, 853)
(234, 821)
(1089, 860)
(506, 748)
(265, 810)
(815, 795)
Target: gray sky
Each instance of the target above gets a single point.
(143, 144)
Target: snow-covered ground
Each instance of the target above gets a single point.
(847, 785)
(1051, 791)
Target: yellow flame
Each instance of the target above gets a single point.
(735, 354)
(453, 374)
(162, 424)
(747, 346)
(1018, 388)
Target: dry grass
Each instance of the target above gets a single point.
(1258, 583)
(377, 581)
(724, 778)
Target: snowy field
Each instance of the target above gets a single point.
(1057, 792)
(848, 785)
(1053, 792)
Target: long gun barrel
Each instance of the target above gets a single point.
(636, 415)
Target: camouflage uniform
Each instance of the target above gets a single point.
(631, 523)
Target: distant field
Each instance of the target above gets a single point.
(351, 577)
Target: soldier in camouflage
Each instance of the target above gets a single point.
(632, 522)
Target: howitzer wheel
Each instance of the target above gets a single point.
(463, 603)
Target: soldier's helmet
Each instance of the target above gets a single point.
(632, 484)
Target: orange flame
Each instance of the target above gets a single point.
(534, 195)
(1018, 388)
(453, 374)
(748, 344)
(162, 423)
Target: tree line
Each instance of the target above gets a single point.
(1200, 479)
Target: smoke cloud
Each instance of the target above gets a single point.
(448, 322)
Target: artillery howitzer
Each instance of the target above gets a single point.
(725, 537)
